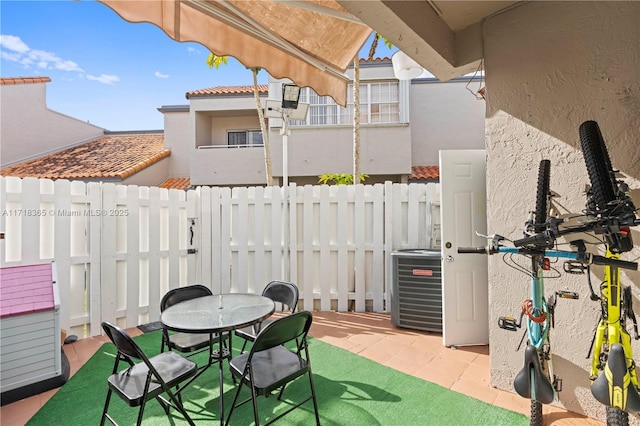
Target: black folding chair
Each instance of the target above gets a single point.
(269, 365)
(286, 294)
(145, 380)
(189, 343)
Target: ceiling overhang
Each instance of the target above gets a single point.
(312, 42)
(444, 37)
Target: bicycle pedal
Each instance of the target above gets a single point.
(571, 267)
(508, 323)
(568, 294)
(557, 384)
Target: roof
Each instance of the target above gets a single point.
(424, 172)
(368, 61)
(26, 289)
(228, 90)
(23, 80)
(176, 183)
(109, 157)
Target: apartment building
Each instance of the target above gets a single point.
(216, 139)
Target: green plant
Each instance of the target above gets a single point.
(340, 178)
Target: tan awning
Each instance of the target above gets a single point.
(310, 42)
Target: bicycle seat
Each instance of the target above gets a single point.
(545, 393)
(614, 387)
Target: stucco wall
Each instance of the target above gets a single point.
(177, 138)
(22, 106)
(314, 151)
(445, 116)
(152, 175)
(550, 66)
(220, 126)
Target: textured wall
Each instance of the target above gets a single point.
(550, 66)
(28, 128)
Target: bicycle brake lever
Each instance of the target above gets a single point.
(491, 237)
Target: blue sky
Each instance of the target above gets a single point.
(105, 70)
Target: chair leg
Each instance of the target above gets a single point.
(140, 412)
(235, 399)
(106, 406)
(313, 398)
(177, 402)
(244, 345)
(281, 392)
(254, 401)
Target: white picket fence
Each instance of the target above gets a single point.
(119, 248)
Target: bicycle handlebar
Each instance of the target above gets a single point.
(481, 250)
(547, 237)
(579, 256)
(601, 260)
(543, 238)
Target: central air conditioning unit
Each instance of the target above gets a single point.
(416, 289)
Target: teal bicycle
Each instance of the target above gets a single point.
(536, 380)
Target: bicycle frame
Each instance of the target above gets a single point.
(611, 331)
(537, 332)
(536, 380)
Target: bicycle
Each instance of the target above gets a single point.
(609, 213)
(614, 381)
(537, 380)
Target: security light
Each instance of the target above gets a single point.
(290, 96)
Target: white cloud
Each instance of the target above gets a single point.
(13, 43)
(104, 78)
(193, 50)
(18, 51)
(49, 60)
(10, 56)
(160, 75)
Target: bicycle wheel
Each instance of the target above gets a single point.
(598, 164)
(542, 196)
(617, 417)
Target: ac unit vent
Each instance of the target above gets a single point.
(416, 290)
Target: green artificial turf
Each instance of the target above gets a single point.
(351, 390)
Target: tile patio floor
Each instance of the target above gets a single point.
(421, 354)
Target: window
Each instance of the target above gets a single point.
(244, 138)
(379, 103)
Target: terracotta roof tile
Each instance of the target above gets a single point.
(424, 172)
(110, 157)
(176, 183)
(367, 61)
(23, 80)
(228, 90)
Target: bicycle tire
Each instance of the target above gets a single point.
(598, 164)
(617, 417)
(542, 196)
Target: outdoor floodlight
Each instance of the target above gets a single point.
(290, 96)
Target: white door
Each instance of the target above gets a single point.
(465, 290)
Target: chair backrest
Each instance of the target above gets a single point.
(282, 292)
(181, 294)
(283, 330)
(124, 343)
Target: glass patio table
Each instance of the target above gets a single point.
(217, 314)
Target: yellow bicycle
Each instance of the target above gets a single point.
(613, 371)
